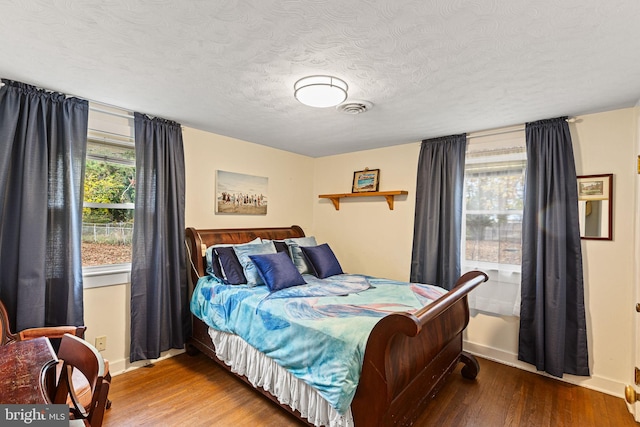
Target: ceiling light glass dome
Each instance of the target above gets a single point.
(321, 91)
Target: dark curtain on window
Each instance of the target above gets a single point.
(438, 218)
(159, 299)
(553, 333)
(43, 143)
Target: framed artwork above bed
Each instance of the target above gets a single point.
(241, 194)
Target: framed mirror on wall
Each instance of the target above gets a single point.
(595, 206)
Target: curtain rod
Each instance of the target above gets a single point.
(503, 131)
(494, 132)
(99, 110)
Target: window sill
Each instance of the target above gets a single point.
(106, 275)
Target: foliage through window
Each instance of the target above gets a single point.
(492, 219)
(109, 191)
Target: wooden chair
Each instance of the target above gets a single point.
(79, 355)
(83, 390)
(50, 332)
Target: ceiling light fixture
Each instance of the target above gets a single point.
(320, 91)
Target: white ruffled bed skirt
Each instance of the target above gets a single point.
(262, 371)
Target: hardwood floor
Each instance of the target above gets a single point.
(194, 391)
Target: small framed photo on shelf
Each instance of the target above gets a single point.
(366, 180)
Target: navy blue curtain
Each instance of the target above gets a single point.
(159, 294)
(553, 332)
(435, 258)
(43, 143)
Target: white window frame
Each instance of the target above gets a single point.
(109, 274)
(504, 278)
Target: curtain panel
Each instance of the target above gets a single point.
(435, 257)
(43, 142)
(159, 294)
(553, 333)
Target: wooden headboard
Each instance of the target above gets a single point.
(198, 240)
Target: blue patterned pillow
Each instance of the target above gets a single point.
(248, 267)
(296, 254)
(277, 271)
(322, 260)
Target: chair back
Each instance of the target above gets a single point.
(54, 333)
(5, 333)
(78, 354)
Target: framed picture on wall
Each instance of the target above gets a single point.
(594, 187)
(595, 206)
(240, 194)
(366, 180)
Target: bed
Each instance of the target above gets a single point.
(407, 358)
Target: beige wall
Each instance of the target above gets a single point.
(290, 181)
(365, 234)
(606, 143)
(369, 238)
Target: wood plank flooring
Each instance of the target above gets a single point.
(195, 391)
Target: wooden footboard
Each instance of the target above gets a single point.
(407, 358)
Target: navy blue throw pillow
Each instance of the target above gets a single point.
(277, 271)
(231, 266)
(281, 246)
(322, 260)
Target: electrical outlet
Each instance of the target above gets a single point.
(101, 343)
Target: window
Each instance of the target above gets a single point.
(492, 219)
(109, 192)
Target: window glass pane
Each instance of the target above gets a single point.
(123, 154)
(106, 231)
(493, 222)
(108, 182)
(494, 238)
(108, 242)
(493, 202)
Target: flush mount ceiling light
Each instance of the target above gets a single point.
(320, 91)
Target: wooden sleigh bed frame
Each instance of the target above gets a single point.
(407, 358)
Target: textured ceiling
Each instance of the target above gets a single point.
(430, 67)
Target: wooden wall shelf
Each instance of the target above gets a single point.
(389, 195)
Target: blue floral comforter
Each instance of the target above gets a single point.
(317, 331)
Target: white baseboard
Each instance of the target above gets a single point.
(594, 382)
(117, 367)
